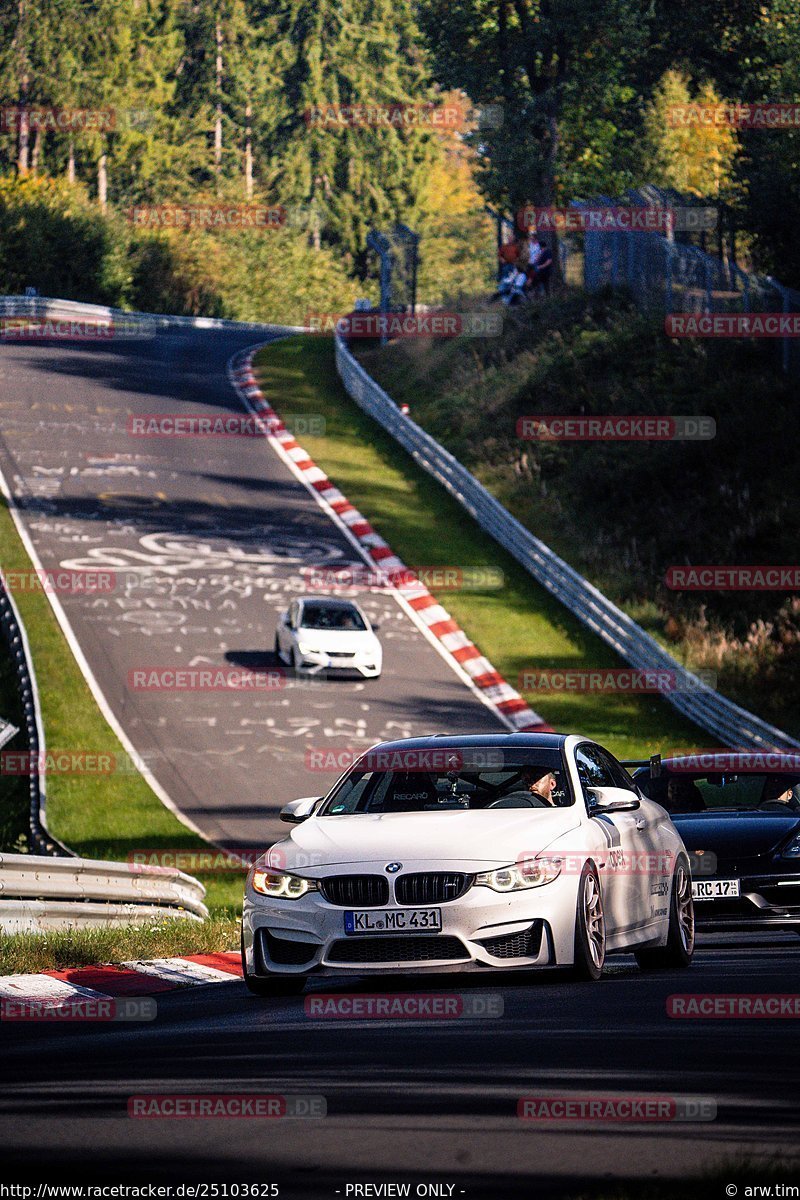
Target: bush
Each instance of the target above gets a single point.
(53, 238)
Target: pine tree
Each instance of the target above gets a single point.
(328, 54)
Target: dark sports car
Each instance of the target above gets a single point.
(739, 817)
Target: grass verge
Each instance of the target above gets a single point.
(98, 816)
(519, 626)
(29, 953)
(623, 513)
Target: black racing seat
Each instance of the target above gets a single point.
(409, 792)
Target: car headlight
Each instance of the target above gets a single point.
(280, 886)
(304, 648)
(792, 850)
(529, 873)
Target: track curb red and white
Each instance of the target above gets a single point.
(424, 609)
(111, 981)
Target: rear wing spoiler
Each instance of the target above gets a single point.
(653, 762)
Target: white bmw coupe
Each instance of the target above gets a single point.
(445, 854)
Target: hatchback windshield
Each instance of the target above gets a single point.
(325, 616)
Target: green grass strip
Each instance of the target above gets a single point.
(97, 816)
(29, 953)
(519, 626)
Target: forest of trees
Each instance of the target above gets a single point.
(209, 100)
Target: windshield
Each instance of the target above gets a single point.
(683, 793)
(324, 616)
(527, 783)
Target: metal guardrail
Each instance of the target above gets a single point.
(38, 893)
(134, 323)
(41, 840)
(732, 725)
(41, 308)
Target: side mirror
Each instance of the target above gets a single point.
(299, 810)
(611, 799)
(375, 626)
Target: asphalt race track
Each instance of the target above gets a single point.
(417, 1102)
(206, 539)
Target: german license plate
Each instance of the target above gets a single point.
(715, 889)
(394, 920)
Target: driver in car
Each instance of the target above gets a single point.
(539, 783)
(777, 796)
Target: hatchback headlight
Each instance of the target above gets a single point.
(280, 886)
(529, 873)
(792, 849)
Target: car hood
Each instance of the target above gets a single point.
(741, 835)
(473, 840)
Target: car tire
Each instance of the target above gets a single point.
(590, 928)
(680, 939)
(277, 647)
(274, 985)
(294, 661)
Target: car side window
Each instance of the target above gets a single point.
(619, 775)
(593, 768)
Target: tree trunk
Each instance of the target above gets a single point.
(102, 180)
(549, 192)
(218, 122)
(71, 160)
(37, 150)
(248, 151)
(22, 67)
(24, 128)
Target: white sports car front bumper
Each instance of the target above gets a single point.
(480, 930)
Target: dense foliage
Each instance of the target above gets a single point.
(216, 99)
